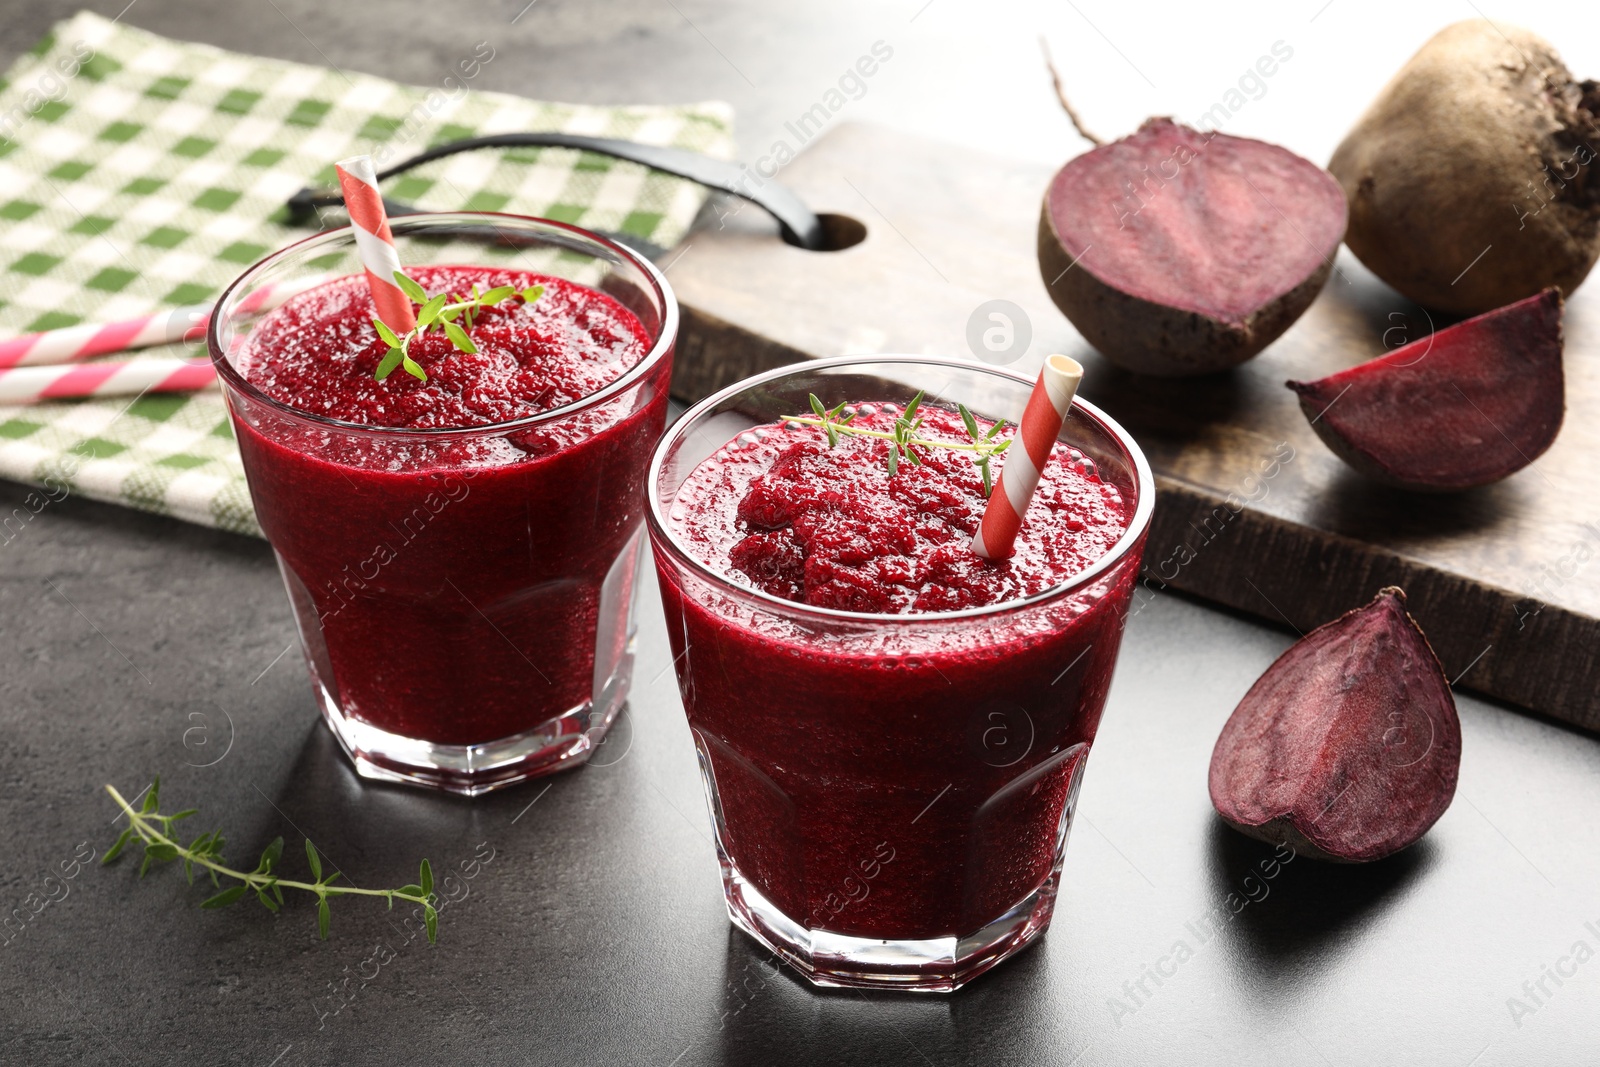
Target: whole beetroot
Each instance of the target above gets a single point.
(1471, 178)
(1348, 747)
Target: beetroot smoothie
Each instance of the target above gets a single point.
(900, 766)
(461, 569)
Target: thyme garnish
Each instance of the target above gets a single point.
(903, 437)
(448, 311)
(154, 830)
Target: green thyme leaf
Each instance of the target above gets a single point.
(224, 898)
(911, 408)
(390, 361)
(497, 294)
(416, 292)
(893, 461)
(968, 421)
(427, 879)
(322, 917)
(430, 918)
(459, 338)
(270, 856)
(266, 901)
(389, 337)
(430, 311)
(816, 405)
(116, 850)
(414, 368)
(532, 293)
(315, 861)
(150, 801)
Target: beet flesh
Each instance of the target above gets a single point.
(1348, 747)
(1464, 407)
(1176, 252)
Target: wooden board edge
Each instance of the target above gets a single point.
(1492, 641)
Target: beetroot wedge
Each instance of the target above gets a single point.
(1175, 252)
(1347, 748)
(1467, 406)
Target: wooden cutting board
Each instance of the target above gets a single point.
(1505, 580)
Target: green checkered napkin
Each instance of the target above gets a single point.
(154, 174)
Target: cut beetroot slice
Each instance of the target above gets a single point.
(1348, 747)
(1464, 407)
(1175, 252)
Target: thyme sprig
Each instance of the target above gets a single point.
(447, 311)
(154, 830)
(903, 437)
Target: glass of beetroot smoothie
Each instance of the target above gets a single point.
(891, 729)
(459, 552)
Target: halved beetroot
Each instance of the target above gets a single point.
(1176, 252)
(1348, 747)
(1464, 407)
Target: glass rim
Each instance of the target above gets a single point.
(1138, 523)
(663, 343)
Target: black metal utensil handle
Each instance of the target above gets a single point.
(798, 224)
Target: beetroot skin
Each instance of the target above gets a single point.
(1467, 406)
(1347, 748)
(1188, 252)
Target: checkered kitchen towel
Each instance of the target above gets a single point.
(139, 173)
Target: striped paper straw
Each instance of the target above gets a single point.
(71, 344)
(1041, 422)
(375, 242)
(31, 385)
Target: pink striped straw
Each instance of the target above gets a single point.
(1041, 422)
(30, 385)
(71, 344)
(375, 242)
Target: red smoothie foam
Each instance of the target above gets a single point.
(456, 577)
(951, 747)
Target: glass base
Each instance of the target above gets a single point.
(932, 965)
(567, 740)
(937, 965)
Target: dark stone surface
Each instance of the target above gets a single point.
(131, 644)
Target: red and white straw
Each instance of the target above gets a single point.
(375, 242)
(71, 344)
(1036, 434)
(31, 385)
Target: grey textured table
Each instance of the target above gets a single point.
(595, 933)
